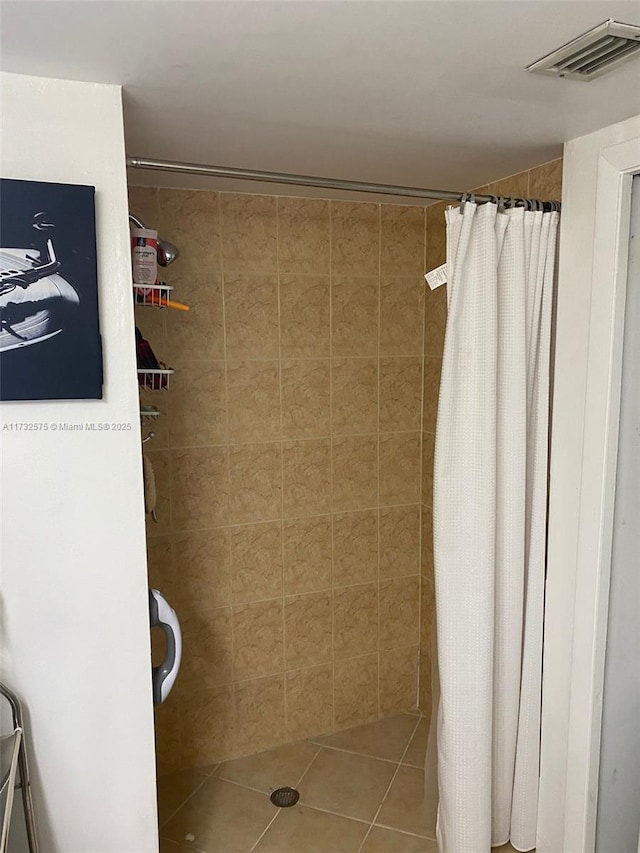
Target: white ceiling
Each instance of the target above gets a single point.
(420, 93)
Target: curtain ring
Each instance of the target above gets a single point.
(465, 198)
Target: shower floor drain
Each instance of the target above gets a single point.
(284, 797)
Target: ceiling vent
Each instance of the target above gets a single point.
(594, 53)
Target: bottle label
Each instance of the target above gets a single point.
(144, 258)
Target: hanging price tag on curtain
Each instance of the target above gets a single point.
(437, 277)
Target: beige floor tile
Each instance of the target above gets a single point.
(174, 788)
(167, 846)
(304, 830)
(382, 840)
(222, 817)
(386, 738)
(349, 784)
(418, 746)
(403, 807)
(275, 768)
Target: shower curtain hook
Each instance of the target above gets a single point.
(467, 197)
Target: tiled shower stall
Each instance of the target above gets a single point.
(294, 461)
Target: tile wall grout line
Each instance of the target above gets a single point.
(254, 274)
(378, 449)
(300, 595)
(231, 604)
(399, 356)
(275, 672)
(331, 484)
(304, 438)
(393, 778)
(271, 520)
(225, 360)
(284, 621)
(422, 398)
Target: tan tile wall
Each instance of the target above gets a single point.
(543, 182)
(288, 465)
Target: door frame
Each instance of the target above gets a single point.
(594, 242)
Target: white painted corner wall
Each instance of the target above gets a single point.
(597, 178)
(74, 628)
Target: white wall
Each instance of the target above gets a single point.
(595, 202)
(618, 819)
(74, 632)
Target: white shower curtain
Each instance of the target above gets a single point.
(490, 500)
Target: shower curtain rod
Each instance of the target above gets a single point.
(303, 180)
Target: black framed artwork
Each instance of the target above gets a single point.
(50, 347)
